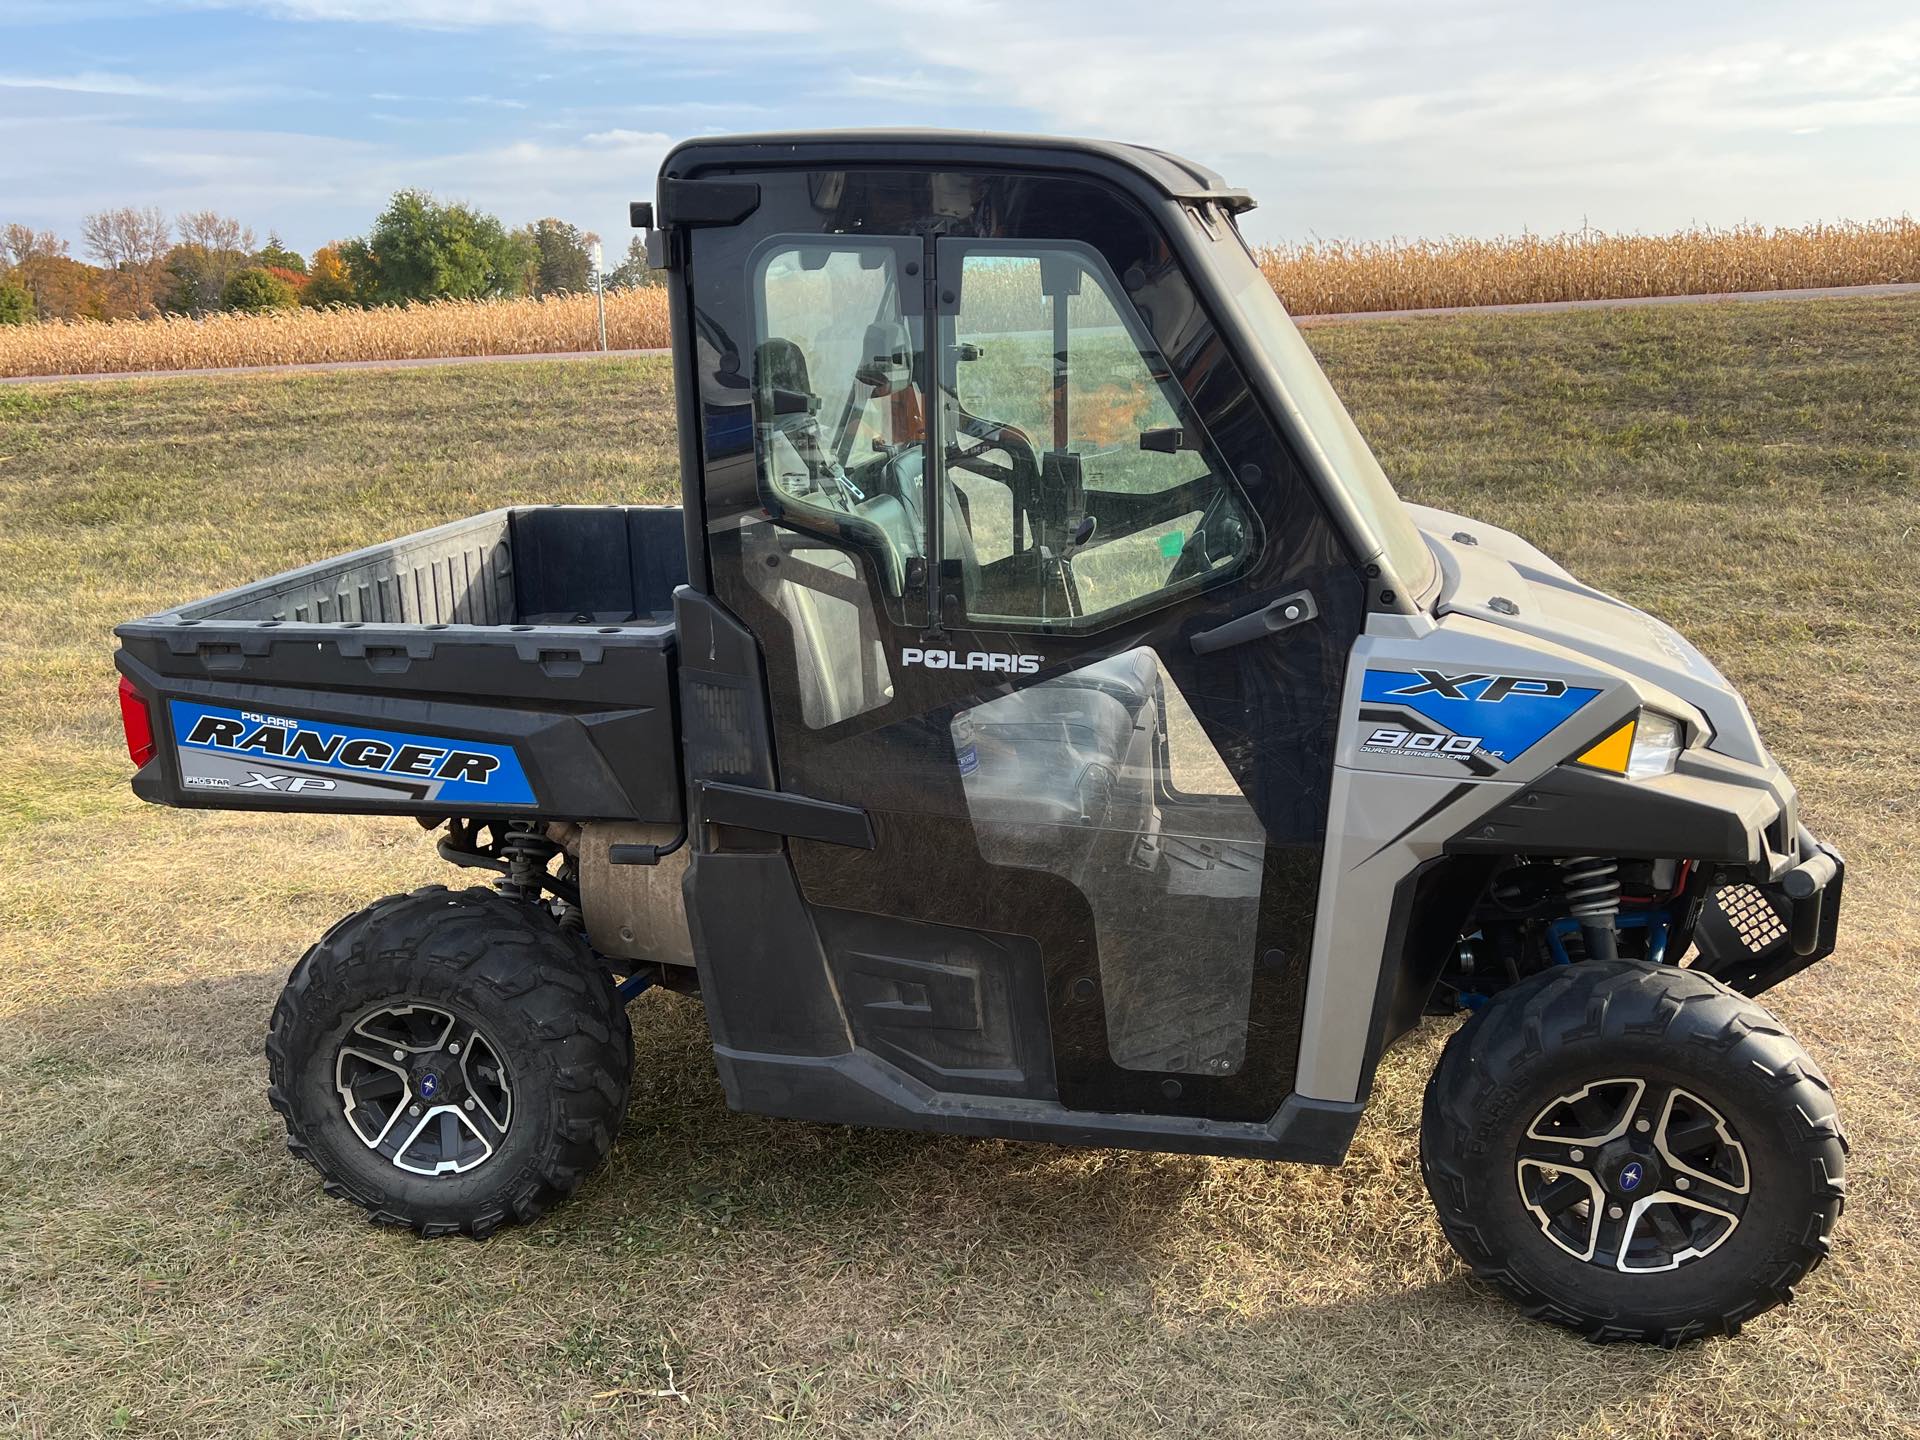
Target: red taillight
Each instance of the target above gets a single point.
(136, 722)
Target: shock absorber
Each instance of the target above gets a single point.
(527, 851)
(1592, 887)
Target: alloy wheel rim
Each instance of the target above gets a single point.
(1633, 1175)
(424, 1089)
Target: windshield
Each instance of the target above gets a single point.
(1326, 420)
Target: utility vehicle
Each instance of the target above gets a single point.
(1041, 719)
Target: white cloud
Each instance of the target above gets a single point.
(567, 17)
(106, 82)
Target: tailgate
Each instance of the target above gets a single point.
(558, 721)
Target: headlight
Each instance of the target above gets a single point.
(1657, 743)
(1643, 748)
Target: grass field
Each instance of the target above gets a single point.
(166, 1269)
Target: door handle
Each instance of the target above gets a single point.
(1283, 614)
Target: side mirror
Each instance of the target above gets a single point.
(1168, 441)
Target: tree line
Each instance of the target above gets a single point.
(201, 262)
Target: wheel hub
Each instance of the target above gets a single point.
(1629, 1171)
(1633, 1175)
(424, 1089)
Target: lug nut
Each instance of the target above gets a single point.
(1681, 1182)
(413, 1109)
(1614, 1212)
(399, 1054)
(1643, 1126)
(470, 1103)
(1576, 1155)
(454, 1048)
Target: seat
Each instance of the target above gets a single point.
(1076, 750)
(1132, 677)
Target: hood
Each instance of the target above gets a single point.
(1496, 577)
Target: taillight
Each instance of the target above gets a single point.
(138, 724)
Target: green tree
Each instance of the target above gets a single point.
(16, 305)
(561, 262)
(275, 256)
(632, 272)
(256, 291)
(421, 249)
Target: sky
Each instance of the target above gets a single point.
(1367, 119)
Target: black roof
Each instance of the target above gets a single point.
(1170, 174)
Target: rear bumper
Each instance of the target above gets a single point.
(1754, 934)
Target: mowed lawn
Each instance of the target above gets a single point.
(1748, 472)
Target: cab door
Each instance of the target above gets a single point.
(1039, 588)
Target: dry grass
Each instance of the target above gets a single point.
(1336, 277)
(1330, 277)
(166, 1269)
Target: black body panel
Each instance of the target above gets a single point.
(1572, 810)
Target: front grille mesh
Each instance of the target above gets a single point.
(1750, 916)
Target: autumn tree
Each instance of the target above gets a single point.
(132, 245)
(212, 249)
(327, 279)
(422, 249)
(60, 287)
(21, 243)
(275, 256)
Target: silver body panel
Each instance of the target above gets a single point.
(1393, 810)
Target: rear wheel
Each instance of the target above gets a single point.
(450, 1060)
(1634, 1151)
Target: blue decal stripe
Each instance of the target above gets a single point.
(1508, 726)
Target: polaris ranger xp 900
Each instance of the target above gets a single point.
(1040, 719)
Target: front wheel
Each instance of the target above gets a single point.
(1634, 1151)
(450, 1060)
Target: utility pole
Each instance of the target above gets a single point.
(597, 256)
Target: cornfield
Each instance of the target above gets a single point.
(1342, 277)
(1321, 278)
(636, 319)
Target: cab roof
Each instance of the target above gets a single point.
(1169, 174)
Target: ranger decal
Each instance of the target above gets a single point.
(226, 749)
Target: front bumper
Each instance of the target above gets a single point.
(1755, 934)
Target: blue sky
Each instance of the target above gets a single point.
(1364, 119)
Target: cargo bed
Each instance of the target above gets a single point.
(516, 663)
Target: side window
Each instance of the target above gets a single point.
(839, 430)
(1079, 480)
(839, 441)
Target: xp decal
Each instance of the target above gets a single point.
(1495, 717)
(223, 749)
